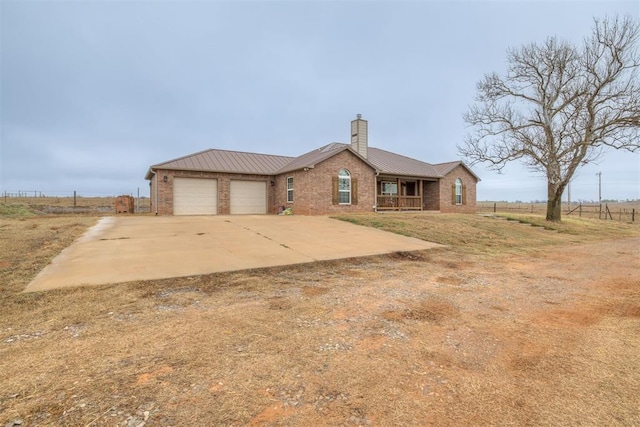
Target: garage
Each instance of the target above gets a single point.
(193, 196)
(248, 197)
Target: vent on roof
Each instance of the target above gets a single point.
(329, 147)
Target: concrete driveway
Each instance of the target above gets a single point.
(122, 249)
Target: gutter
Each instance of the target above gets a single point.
(155, 176)
(151, 175)
(375, 191)
(157, 200)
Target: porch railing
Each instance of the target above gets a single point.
(399, 202)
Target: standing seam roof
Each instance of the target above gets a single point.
(397, 164)
(384, 162)
(312, 158)
(228, 161)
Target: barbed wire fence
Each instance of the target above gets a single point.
(620, 211)
(73, 201)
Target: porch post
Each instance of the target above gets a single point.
(399, 193)
(421, 195)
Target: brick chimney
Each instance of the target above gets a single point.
(359, 135)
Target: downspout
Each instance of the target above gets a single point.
(155, 175)
(375, 192)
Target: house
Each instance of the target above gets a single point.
(331, 179)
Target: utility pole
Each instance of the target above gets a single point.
(599, 194)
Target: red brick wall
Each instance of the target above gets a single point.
(165, 189)
(313, 189)
(468, 181)
(431, 197)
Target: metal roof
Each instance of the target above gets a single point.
(312, 158)
(384, 162)
(445, 168)
(387, 162)
(226, 161)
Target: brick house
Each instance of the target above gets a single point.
(331, 179)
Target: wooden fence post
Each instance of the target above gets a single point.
(74, 198)
(494, 207)
(607, 212)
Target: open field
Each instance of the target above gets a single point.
(69, 205)
(509, 325)
(617, 211)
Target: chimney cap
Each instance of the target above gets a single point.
(358, 116)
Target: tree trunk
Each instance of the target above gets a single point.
(554, 202)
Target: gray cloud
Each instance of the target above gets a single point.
(92, 93)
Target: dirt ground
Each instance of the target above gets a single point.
(519, 327)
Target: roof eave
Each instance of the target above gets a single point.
(245, 172)
(404, 175)
(464, 165)
(364, 159)
(297, 168)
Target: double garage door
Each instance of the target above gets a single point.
(192, 196)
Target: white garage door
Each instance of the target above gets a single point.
(193, 196)
(248, 197)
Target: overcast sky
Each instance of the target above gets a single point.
(93, 93)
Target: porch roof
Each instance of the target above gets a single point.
(390, 163)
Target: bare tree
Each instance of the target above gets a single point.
(559, 106)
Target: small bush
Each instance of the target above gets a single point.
(15, 211)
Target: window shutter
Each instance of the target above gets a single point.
(335, 190)
(453, 194)
(354, 191)
(464, 194)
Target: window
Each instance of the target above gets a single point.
(344, 187)
(290, 189)
(458, 193)
(389, 188)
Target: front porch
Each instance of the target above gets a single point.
(406, 194)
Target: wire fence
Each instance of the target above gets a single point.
(72, 202)
(55, 193)
(626, 212)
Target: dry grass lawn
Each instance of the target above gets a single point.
(67, 205)
(509, 325)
